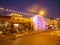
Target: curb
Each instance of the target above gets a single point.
(26, 34)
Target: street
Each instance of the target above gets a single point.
(29, 22)
(44, 38)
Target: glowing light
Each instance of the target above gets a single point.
(42, 12)
(39, 22)
(16, 25)
(7, 9)
(2, 8)
(10, 10)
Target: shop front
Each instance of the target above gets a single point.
(10, 24)
(21, 26)
(4, 23)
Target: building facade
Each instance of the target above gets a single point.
(15, 22)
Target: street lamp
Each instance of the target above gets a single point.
(41, 12)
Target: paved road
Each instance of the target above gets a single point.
(46, 38)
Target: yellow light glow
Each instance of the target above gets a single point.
(41, 12)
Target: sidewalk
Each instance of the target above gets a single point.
(25, 33)
(28, 33)
(16, 35)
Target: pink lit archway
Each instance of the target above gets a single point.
(39, 22)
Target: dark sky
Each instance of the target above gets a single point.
(52, 6)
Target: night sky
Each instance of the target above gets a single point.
(52, 7)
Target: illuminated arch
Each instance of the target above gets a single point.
(39, 22)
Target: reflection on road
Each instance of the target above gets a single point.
(36, 39)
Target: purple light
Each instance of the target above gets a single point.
(39, 22)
